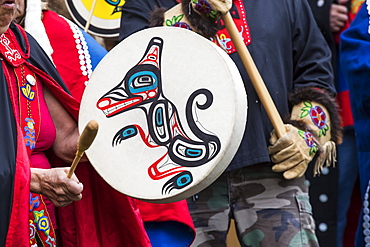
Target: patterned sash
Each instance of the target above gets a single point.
(239, 16)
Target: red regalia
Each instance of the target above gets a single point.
(99, 219)
(104, 217)
(28, 215)
(91, 222)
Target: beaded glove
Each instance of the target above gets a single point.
(312, 134)
(292, 152)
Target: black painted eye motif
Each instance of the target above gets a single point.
(124, 134)
(179, 181)
(143, 81)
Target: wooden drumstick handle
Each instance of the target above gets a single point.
(254, 75)
(85, 140)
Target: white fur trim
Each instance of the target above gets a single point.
(34, 26)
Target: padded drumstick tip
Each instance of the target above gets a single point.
(84, 142)
(88, 135)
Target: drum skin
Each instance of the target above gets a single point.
(172, 110)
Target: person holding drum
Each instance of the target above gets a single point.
(263, 188)
(69, 46)
(61, 45)
(37, 115)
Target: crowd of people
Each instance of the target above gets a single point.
(312, 58)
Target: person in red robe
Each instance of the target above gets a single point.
(98, 219)
(31, 87)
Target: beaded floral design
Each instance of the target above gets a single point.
(239, 15)
(318, 117)
(308, 138)
(176, 22)
(204, 7)
(41, 224)
(30, 133)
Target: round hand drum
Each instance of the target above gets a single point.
(171, 108)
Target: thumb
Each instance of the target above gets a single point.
(75, 187)
(273, 137)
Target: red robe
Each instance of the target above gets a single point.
(104, 217)
(99, 218)
(31, 56)
(95, 220)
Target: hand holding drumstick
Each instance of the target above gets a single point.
(52, 182)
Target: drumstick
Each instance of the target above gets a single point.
(90, 16)
(84, 142)
(254, 75)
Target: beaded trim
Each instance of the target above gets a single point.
(368, 11)
(366, 217)
(204, 7)
(83, 50)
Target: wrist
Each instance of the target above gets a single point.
(323, 109)
(36, 178)
(317, 112)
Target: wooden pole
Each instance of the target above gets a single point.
(254, 75)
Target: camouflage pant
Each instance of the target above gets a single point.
(269, 211)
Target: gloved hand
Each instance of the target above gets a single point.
(314, 138)
(292, 152)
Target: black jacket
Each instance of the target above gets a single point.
(288, 50)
